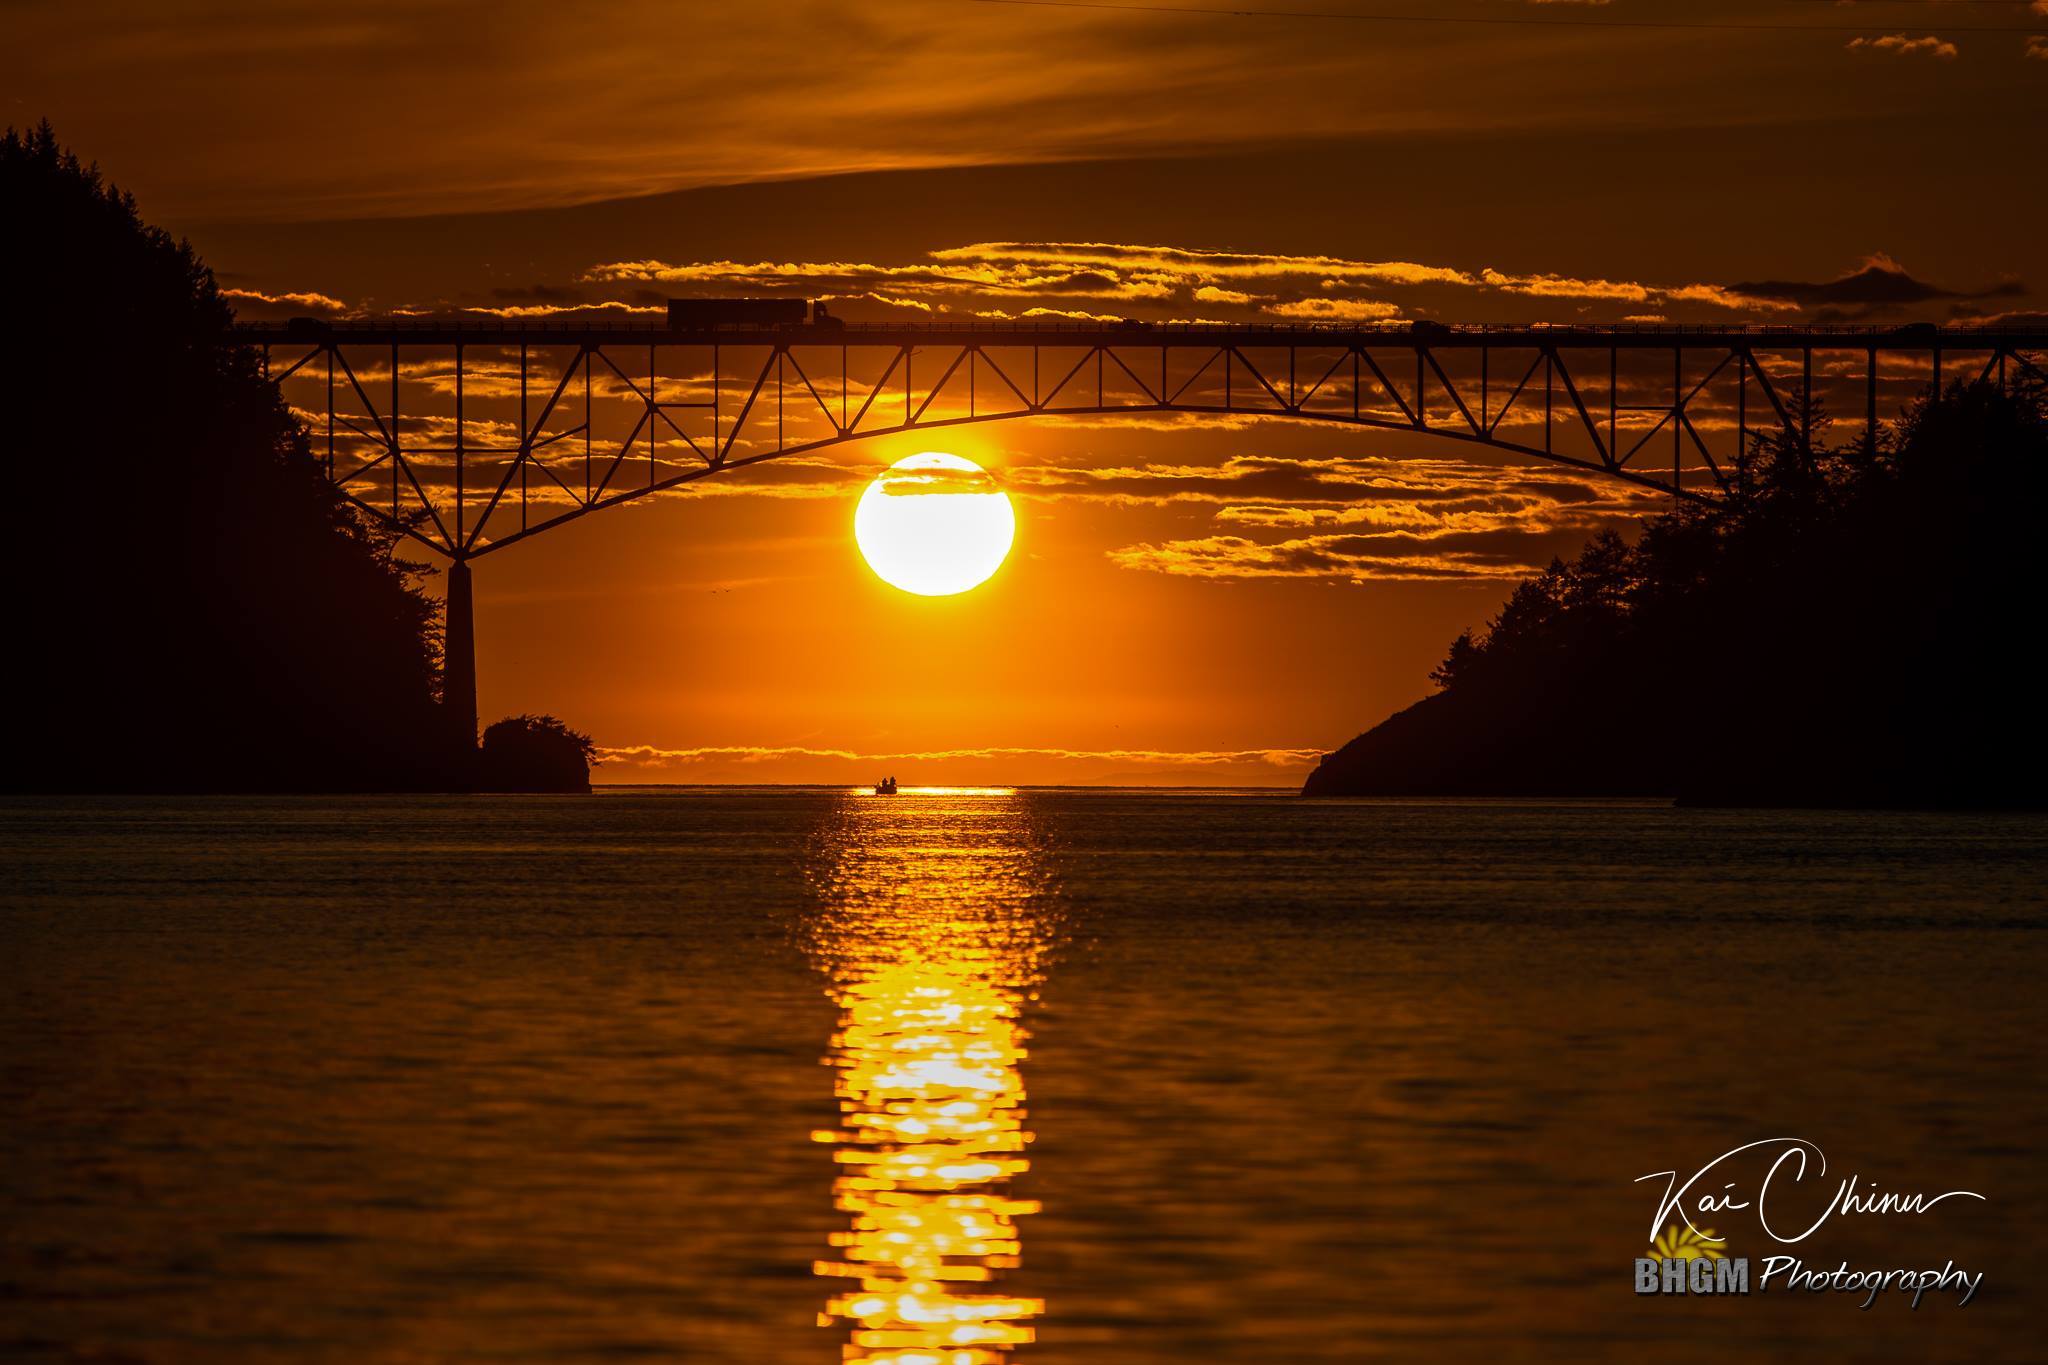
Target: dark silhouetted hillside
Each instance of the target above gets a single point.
(1854, 627)
(195, 608)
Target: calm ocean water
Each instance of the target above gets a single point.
(960, 1078)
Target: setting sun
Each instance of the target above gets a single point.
(934, 524)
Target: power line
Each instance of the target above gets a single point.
(1518, 21)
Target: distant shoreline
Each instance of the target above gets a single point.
(1287, 789)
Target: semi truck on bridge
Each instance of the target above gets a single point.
(691, 314)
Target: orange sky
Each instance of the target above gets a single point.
(1187, 602)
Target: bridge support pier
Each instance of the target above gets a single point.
(458, 658)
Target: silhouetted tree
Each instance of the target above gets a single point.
(197, 607)
(534, 754)
(1461, 665)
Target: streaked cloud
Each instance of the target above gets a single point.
(256, 304)
(1337, 310)
(608, 108)
(623, 98)
(1563, 287)
(1158, 283)
(1098, 281)
(1901, 45)
(1177, 263)
(1074, 314)
(1398, 557)
(516, 311)
(1368, 519)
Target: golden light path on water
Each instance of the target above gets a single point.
(936, 919)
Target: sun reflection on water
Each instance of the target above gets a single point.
(936, 917)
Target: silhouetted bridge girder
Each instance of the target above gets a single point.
(471, 437)
(574, 417)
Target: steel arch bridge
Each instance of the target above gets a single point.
(470, 437)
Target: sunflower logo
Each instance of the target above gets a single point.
(1686, 1243)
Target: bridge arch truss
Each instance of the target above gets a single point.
(468, 439)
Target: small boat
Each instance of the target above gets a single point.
(886, 787)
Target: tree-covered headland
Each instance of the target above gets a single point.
(1853, 626)
(194, 606)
